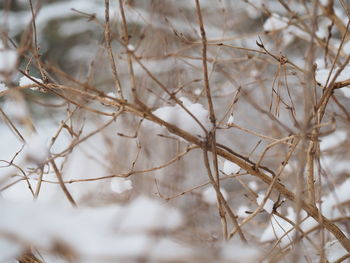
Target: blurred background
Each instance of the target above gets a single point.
(266, 61)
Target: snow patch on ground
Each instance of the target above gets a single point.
(111, 231)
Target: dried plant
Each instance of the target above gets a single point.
(233, 115)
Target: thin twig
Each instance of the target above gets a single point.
(118, 86)
(61, 182)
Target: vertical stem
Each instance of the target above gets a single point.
(211, 137)
(204, 60)
(36, 47)
(310, 173)
(61, 182)
(126, 43)
(221, 202)
(110, 52)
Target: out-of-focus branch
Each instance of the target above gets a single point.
(110, 52)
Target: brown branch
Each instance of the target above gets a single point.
(130, 64)
(110, 52)
(205, 66)
(63, 186)
(251, 169)
(36, 49)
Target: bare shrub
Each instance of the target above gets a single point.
(179, 131)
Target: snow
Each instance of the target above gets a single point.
(209, 195)
(94, 167)
(57, 10)
(275, 22)
(289, 168)
(63, 10)
(241, 211)
(253, 185)
(131, 48)
(120, 185)
(230, 120)
(322, 75)
(111, 94)
(233, 252)
(3, 87)
(163, 65)
(16, 109)
(268, 206)
(333, 140)
(168, 250)
(334, 250)
(9, 250)
(252, 11)
(197, 91)
(330, 203)
(291, 32)
(279, 23)
(342, 164)
(110, 231)
(346, 91)
(25, 81)
(84, 52)
(71, 28)
(346, 47)
(179, 117)
(150, 211)
(254, 73)
(8, 59)
(278, 228)
(320, 62)
(230, 167)
(36, 149)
